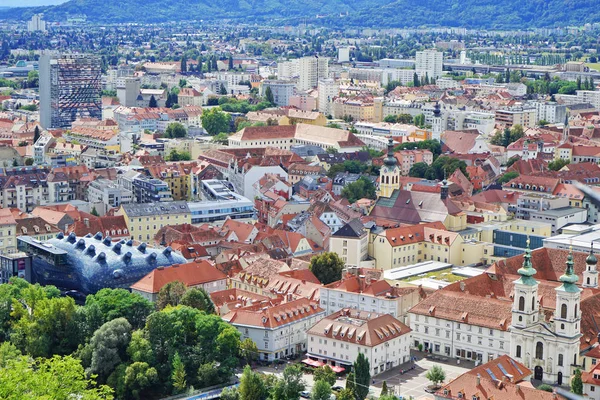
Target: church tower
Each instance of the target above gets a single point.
(436, 123)
(567, 315)
(389, 175)
(565, 136)
(590, 275)
(525, 305)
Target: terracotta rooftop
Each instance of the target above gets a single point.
(192, 274)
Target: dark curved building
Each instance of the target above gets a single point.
(91, 263)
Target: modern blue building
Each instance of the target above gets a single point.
(91, 263)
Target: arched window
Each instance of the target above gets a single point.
(539, 351)
(521, 303)
(560, 360)
(575, 311)
(563, 311)
(518, 351)
(533, 303)
(588, 280)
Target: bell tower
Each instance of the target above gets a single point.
(525, 305)
(567, 315)
(389, 175)
(590, 274)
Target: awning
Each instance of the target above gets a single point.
(312, 363)
(337, 369)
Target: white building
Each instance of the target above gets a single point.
(41, 148)
(328, 89)
(550, 112)
(108, 193)
(338, 339)
(36, 24)
(429, 62)
(307, 71)
(278, 331)
(282, 91)
(363, 294)
(350, 242)
(343, 54)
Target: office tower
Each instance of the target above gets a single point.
(70, 88)
(36, 24)
(328, 89)
(429, 63)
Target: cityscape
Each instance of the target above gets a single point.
(272, 200)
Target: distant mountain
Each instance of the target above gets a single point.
(375, 13)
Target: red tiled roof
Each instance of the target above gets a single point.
(192, 274)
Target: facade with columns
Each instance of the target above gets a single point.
(549, 348)
(389, 175)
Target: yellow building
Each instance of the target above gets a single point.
(146, 219)
(413, 244)
(358, 109)
(306, 117)
(178, 175)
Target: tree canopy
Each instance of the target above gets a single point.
(363, 188)
(327, 267)
(175, 130)
(215, 121)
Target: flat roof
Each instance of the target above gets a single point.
(41, 245)
(559, 212)
(430, 283)
(468, 272)
(415, 270)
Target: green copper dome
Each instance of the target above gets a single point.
(569, 277)
(527, 271)
(591, 259)
(390, 160)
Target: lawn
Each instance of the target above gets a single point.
(443, 275)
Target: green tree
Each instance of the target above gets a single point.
(108, 347)
(321, 391)
(557, 164)
(418, 170)
(251, 385)
(577, 383)
(230, 394)
(361, 189)
(175, 155)
(33, 79)
(178, 375)
(516, 133)
(384, 389)
(432, 145)
(36, 133)
(221, 138)
(362, 376)
(198, 298)
(56, 378)
(269, 95)
(416, 80)
(208, 374)
(170, 294)
(183, 64)
(419, 120)
(292, 381)
(507, 177)
(248, 350)
(8, 352)
(140, 379)
(350, 382)
(345, 394)
(117, 303)
(390, 119)
(215, 121)
(325, 373)
(230, 62)
(175, 130)
(436, 375)
(29, 161)
(152, 103)
(222, 90)
(546, 388)
(327, 267)
(140, 349)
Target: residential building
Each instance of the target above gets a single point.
(278, 331)
(408, 158)
(70, 87)
(150, 190)
(109, 194)
(282, 91)
(526, 117)
(338, 339)
(550, 111)
(194, 275)
(328, 89)
(429, 63)
(501, 378)
(145, 220)
(36, 228)
(37, 24)
(8, 229)
(15, 264)
(591, 383)
(219, 204)
(307, 71)
(350, 242)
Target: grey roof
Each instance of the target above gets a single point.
(354, 228)
(558, 212)
(152, 209)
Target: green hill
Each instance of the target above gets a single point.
(375, 13)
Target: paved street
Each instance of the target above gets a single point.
(411, 383)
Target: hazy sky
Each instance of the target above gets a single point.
(29, 3)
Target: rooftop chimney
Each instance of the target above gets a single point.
(478, 379)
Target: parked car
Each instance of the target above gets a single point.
(305, 394)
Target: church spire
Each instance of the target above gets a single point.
(527, 271)
(569, 278)
(390, 160)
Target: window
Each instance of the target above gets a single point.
(560, 360)
(539, 351)
(521, 303)
(563, 311)
(518, 351)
